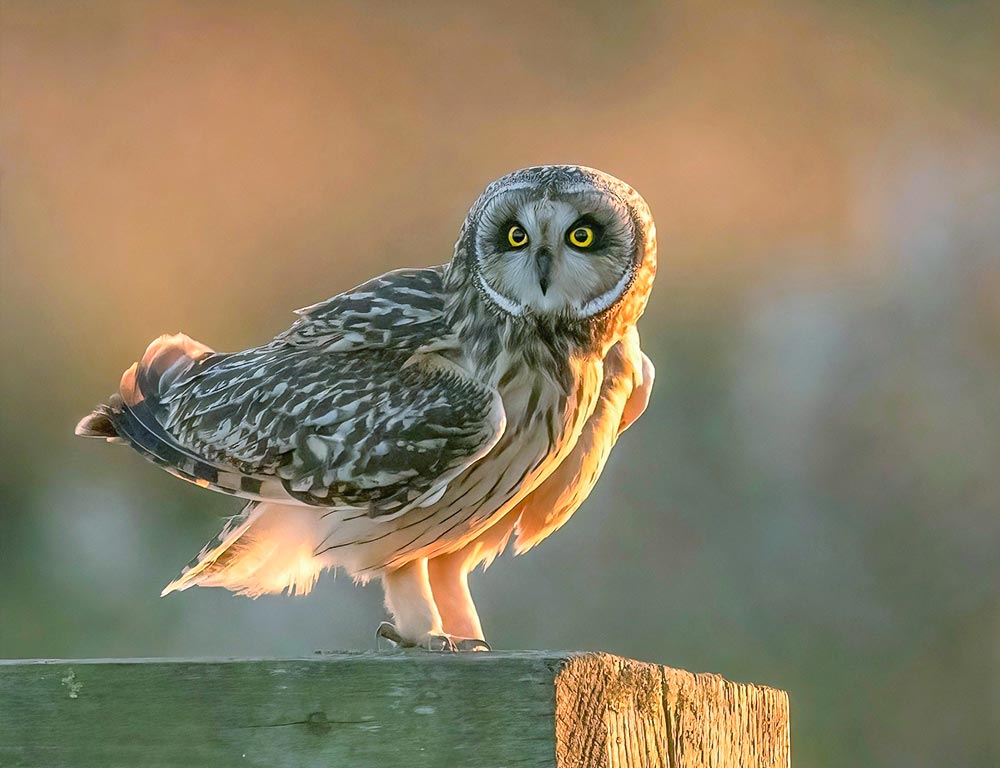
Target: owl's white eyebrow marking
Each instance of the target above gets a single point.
(605, 300)
(507, 305)
(575, 189)
(515, 187)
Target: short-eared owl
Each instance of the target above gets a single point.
(406, 428)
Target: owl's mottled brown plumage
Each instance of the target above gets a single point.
(406, 428)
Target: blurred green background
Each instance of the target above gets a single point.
(813, 498)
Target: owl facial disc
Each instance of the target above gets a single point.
(554, 246)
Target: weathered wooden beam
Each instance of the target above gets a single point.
(388, 709)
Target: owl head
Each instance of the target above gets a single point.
(559, 241)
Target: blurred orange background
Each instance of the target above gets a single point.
(812, 500)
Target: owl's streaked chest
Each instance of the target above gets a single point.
(546, 404)
(546, 410)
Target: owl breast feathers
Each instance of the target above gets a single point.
(406, 428)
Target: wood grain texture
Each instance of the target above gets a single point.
(625, 714)
(366, 709)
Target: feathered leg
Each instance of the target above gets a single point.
(409, 598)
(449, 577)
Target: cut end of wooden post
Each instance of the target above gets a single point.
(618, 712)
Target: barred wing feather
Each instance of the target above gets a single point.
(341, 409)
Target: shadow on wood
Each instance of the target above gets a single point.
(400, 708)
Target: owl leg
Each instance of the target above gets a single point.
(449, 577)
(409, 598)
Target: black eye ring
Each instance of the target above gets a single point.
(517, 237)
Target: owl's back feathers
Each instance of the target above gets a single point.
(341, 409)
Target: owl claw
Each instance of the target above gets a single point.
(446, 643)
(471, 644)
(433, 643)
(388, 631)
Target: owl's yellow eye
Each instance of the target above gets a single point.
(517, 237)
(581, 237)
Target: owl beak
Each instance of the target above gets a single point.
(543, 260)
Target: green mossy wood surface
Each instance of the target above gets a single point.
(388, 709)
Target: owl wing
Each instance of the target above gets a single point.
(392, 311)
(342, 409)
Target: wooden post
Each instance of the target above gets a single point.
(363, 710)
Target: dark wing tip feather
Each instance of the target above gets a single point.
(97, 424)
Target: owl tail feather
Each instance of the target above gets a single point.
(267, 548)
(100, 423)
(165, 360)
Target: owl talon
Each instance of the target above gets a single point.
(453, 644)
(389, 632)
(473, 644)
(432, 643)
